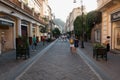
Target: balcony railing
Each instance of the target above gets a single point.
(36, 15)
(26, 9)
(16, 2)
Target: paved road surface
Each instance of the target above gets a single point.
(58, 64)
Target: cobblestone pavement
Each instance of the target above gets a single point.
(10, 67)
(58, 64)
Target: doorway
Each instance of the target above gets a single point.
(117, 38)
(24, 30)
(6, 39)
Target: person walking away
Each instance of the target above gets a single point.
(76, 43)
(34, 43)
(108, 44)
(71, 41)
(43, 40)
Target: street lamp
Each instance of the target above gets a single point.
(82, 41)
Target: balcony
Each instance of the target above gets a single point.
(23, 8)
(36, 15)
(102, 3)
(16, 2)
(27, 9)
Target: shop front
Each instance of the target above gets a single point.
(115, 18)
(6, 35)
(24, 28)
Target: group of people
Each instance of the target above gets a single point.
(74, 43)
(34, 42)
(63, 38)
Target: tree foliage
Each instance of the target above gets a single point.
(79, 25)
(92, 18)
(56, 32)
(87, 22)
(43, 29)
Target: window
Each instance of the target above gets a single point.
(97, 35)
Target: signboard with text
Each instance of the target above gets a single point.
(115, 16)
(6, 23)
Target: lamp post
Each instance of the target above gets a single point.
(82, 41)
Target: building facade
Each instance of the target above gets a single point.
(69, 26)
(19, 18)
(110, 22)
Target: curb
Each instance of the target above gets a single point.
(81, 54)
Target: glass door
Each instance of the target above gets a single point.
(117, 38)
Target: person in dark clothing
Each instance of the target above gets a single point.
(108, 44)
(108, 47)
(76, 43)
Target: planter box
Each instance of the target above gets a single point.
(22, 53)
(22, 48)
(100, 53)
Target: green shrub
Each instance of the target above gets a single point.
(98, 45)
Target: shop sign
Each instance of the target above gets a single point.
(6, 23)
(115, 16)
(23, 22)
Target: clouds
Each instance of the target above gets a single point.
(62, 8)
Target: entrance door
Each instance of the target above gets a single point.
(117, 38)
(24, 30)
(6, 39)
(2, 41)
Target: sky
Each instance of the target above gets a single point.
(62, 8)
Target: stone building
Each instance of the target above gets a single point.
(110, 22)
(69, 26)
(20, 18)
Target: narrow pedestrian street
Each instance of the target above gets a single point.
(57, 63)
(37, 38)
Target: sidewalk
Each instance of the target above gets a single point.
(9, 65)
(111, 68)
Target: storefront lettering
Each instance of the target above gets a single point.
(115, 16)
(6, 23)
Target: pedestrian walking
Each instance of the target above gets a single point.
(43, 40)
(76, 43)
(71, 41)
(34, 43)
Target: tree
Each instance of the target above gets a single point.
(43, 30)
(79, 25)
(56, 32)
(92, 18)
(87, 22)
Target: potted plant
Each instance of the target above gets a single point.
(96, 47)
(22, 47)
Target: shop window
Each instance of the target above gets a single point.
(117, 38)
(97, 35)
